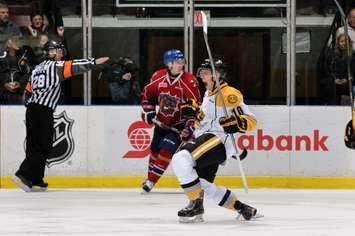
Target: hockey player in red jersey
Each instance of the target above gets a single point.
(175, 93)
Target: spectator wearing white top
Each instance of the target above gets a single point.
(351, 27)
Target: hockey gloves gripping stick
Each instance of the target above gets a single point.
(189, 109)
(148, 113)
(233, 124)
(148, 116)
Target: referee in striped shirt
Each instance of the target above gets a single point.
(45, 89)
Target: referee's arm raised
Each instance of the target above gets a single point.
(69, 68)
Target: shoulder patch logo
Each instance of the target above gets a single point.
(232, 98)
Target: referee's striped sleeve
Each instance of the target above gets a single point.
(74, 67)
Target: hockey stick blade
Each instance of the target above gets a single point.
(242, 156)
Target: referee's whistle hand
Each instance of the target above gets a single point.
(101, 60)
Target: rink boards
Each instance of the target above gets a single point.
(294, 147)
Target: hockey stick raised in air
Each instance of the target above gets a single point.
(205, 37)
(349, 137)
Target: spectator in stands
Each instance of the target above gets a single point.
(351, 27)
(37, 26)
(38, 47)
(37, 35)
(334, 85)
(341, 70)
(7, 27)
(52, 11)
(14, 71)
(53, 14)
(123, 86)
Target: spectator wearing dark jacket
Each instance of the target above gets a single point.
(7, 27)
(53, 13)
(340, 69)
(14, 71)
(124, 88)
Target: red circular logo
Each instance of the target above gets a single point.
(139, 139)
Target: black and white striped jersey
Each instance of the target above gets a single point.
(45, 81)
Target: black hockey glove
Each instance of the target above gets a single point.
(188, 131)
(233, 124)
(148, 113)
(189, 109)
(148, 117)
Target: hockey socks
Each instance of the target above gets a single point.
(193, 189)
(158, 163)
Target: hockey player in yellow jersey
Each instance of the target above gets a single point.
(196, 164)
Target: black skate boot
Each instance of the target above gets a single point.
(40, 186)
(147, 186)
(247, 212)
(22, 182)
(193, 212)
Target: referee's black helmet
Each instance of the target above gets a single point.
(51, 47)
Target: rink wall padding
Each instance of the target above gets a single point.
(108, 146)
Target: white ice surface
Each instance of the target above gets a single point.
(126, 212)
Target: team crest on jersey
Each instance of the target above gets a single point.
(163, 85)
(168, 104)
(63, 142)
(232, 98)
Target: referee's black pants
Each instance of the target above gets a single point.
(39, 141)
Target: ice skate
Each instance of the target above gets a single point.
(39, 187)
(193, 212)
(22, 182)
(147, 186)
(246, 212)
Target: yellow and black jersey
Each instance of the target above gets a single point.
(212, 108)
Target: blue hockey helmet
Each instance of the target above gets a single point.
(172, 55)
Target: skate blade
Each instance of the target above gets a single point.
(242, 219)
(20, 184)
(145, 192)
(38, 189)
(257, 216)
(194, 219)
